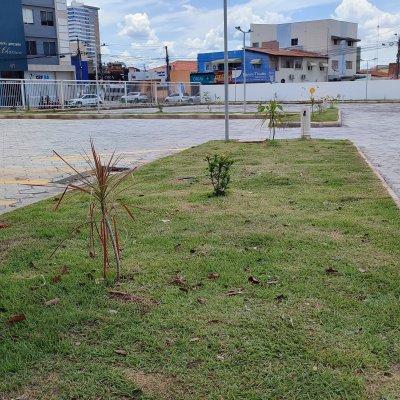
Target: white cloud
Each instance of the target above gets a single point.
(369, 17)
(138, 25)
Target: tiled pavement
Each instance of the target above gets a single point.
(27, 163)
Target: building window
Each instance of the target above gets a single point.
(287, 63)
(298, 64)
(294, 42)
(350, 43)
(49, 48)
(208, 67)
(335, 65)
(256, 44)
(31, 48)
(27, 15)
(349, 64)
(335, 42)
(47, 18)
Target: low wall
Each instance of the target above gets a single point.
(356, 90)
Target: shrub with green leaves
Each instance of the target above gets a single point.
(218, 171)
(103, 190)
(273, 113)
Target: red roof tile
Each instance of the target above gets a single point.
(287, 53)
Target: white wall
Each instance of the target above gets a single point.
(314, 75)
(357, 90)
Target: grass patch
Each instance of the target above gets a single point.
(294, 211)
(330, 115)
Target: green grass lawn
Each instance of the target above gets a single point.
(330, 115)
(307, 220)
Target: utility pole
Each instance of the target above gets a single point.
(398, 59)
(79, 54)
(167, 62)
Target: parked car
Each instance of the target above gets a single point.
(85, 100)
(135, 97)
(194, 99)
(177, 98)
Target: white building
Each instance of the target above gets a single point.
(337, 39)
(83, 24)
(295, 65)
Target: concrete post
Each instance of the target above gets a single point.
(62, 94)
(23, 94)
(305, 118)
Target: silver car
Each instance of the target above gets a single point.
(85, 100)
(177, 98)
(135, 97)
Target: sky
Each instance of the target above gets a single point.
(136, 31)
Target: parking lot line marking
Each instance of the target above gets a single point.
(8, 202)
(23, 182)
(122, 153)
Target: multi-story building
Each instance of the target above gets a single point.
(337, 39)
(34, 40)
(262, 65)
(46, 38)
(83, 25)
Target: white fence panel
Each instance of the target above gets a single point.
(353, 90)
(44, 94)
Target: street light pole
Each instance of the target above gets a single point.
(97, 80)
(398, 58)
(244, 64)
(366, 82)
(235, 69)
(226, 70)
(96, 71)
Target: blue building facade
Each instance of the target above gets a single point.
(13, 61)
(81, 69)
(258, 68)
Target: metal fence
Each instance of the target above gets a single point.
(38, 94)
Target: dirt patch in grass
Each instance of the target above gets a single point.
(34, 391)
(384, 385)
(144, 304)
(159, 385)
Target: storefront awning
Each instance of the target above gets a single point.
(230, 61)
(312, 64)
(323, 64)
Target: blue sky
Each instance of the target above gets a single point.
(137, 31)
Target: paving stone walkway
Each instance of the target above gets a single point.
(28, 165)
